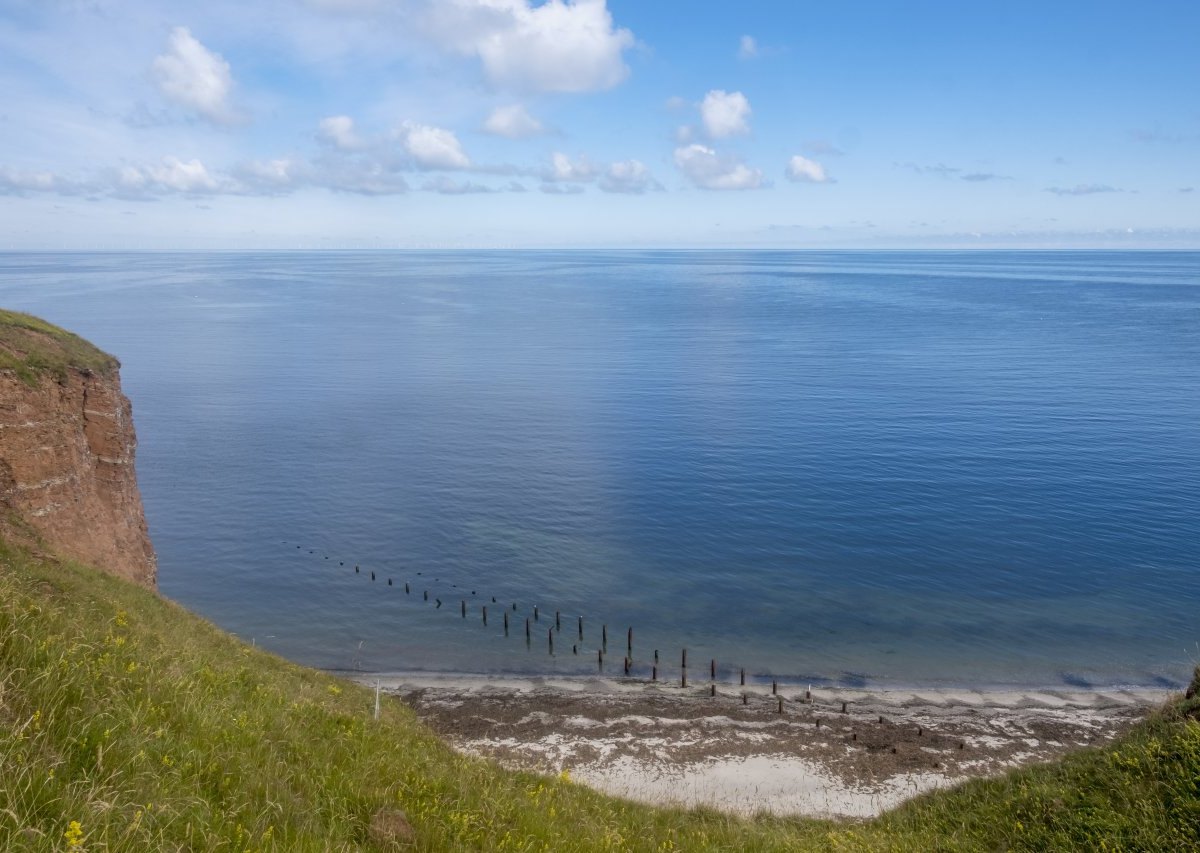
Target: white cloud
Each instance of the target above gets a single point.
(561, 189)
(628, 176)
(172, 175)
(725, 113)
(747, 48)
(513, 122)
(272, 176)
(449, 186)
(194, 77)
(556, 46)
(704, 168)
(562, 169)
(1083, 189)
(433, 147)
(338, 131)
(13, 182)
(804, 170)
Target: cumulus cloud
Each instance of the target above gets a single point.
(272, 177)
(555, 46)
(1083, 189)
(171, 175)
(563, 169)
(194, 77)
(513, 122)
(704, 168)
(15, 182)
(358, 176)
(725, 114)
(747, 47)
(433, 147)
(628, 176)
(339, 132)
(801, 169)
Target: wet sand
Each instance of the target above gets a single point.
(665, 744)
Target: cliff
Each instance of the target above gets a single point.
(67, 450)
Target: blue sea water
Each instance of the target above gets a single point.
(893, 468)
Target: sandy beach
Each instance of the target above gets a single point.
(830, 752)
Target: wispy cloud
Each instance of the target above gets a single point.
(821, 148)
(953, 172)
(1084, 189)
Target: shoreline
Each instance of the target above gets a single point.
(818, 758)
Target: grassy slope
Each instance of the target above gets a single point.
(155, 730)
(33, 347)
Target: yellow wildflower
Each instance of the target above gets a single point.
(74, 834)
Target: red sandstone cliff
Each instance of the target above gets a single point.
(67, 450)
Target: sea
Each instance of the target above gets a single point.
(858, 469)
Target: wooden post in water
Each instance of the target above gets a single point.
(629, 641)
(712, 690)
(743, 676)
(581, 629)
(464, 608)
(781, 704)
(557, 621)
(550, 638)
(712, 670)
(485, 614)
(654, 673)
(656, 655)
(526, 629)
(535, 613)
(627, 665)
(604, 637)
(774, 687)
(843, 707)
(407, 591)
(600, 659)
(426, 595)
(389, 581)
(506, 623)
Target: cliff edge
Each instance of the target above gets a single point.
(67, 450)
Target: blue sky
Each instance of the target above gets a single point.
(171, 124)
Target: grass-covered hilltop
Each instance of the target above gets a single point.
(30, 347)
(127, 723)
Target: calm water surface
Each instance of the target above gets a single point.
(860, 468)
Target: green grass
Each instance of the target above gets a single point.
(33, 348)
(153, 730)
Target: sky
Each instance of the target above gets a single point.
(362, 124)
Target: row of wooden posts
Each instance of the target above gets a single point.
(602, 650)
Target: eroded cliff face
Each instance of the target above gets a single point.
(66, 469)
